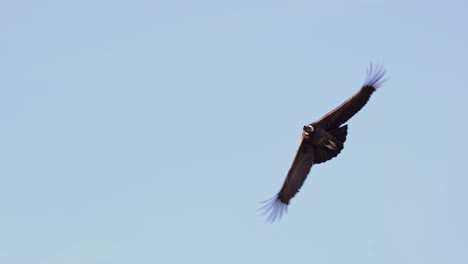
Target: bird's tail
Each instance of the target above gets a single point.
(340, 133)
(334, 148)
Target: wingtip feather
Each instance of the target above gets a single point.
(273, 209)
(374, 76)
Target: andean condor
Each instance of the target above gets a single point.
(321, 141)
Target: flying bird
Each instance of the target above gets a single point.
(321, 141)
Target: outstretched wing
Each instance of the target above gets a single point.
(296, 177)
(350, 107)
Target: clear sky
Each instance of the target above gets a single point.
(149, 131)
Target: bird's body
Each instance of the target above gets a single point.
(321, 141)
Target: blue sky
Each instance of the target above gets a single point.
(149, 131)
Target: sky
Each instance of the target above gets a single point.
(150, 131)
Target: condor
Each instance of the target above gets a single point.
(321, 141)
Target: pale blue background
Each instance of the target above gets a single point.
(148, 131)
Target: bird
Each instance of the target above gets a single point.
(321, 141)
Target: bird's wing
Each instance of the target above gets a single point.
(297, 174)
(350, 107)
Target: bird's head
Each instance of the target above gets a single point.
(308, 129)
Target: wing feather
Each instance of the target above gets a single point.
(297, 174)
(350, 107)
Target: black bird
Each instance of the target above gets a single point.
(321, 141)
